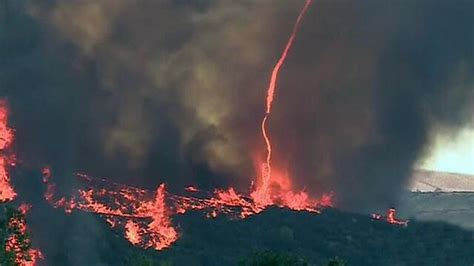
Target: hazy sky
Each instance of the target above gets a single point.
(451, 153)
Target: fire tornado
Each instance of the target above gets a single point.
(261, 194)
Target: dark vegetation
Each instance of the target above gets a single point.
(284, 237)
(319, 238)
(316, 239)
(269, 258)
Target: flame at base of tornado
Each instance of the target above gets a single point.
(279, 191)
(263, 193)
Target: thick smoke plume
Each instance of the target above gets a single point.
(173, 91)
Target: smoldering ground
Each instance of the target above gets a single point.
(146, 92)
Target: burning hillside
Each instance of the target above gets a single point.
(146, 216)
(147, 222)
(15, 240)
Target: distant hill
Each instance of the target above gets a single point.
(431, 181)
(452, 207)
(440, 196)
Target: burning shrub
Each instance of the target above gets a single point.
(16, 244)
(390, 217)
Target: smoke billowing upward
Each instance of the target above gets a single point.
(169, 91)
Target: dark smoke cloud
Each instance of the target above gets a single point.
(173, 91)
(366, 86)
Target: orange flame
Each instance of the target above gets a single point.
(146, 220)
(6, 138)
(390, 217)
(191, 189)
(6, 134)
(132, 232)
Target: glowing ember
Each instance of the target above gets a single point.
(46, 172)
(390, 217)
(262, 194)
(191, 189)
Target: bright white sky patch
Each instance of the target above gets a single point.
(450, 154)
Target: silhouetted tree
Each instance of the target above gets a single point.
(143, 260)
(336, 262)
(269, 258)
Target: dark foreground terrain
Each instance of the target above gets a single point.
(315, 238)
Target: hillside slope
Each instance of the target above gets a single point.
(315, 237)
(456, 208)
(431, 181)
(356, 238)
